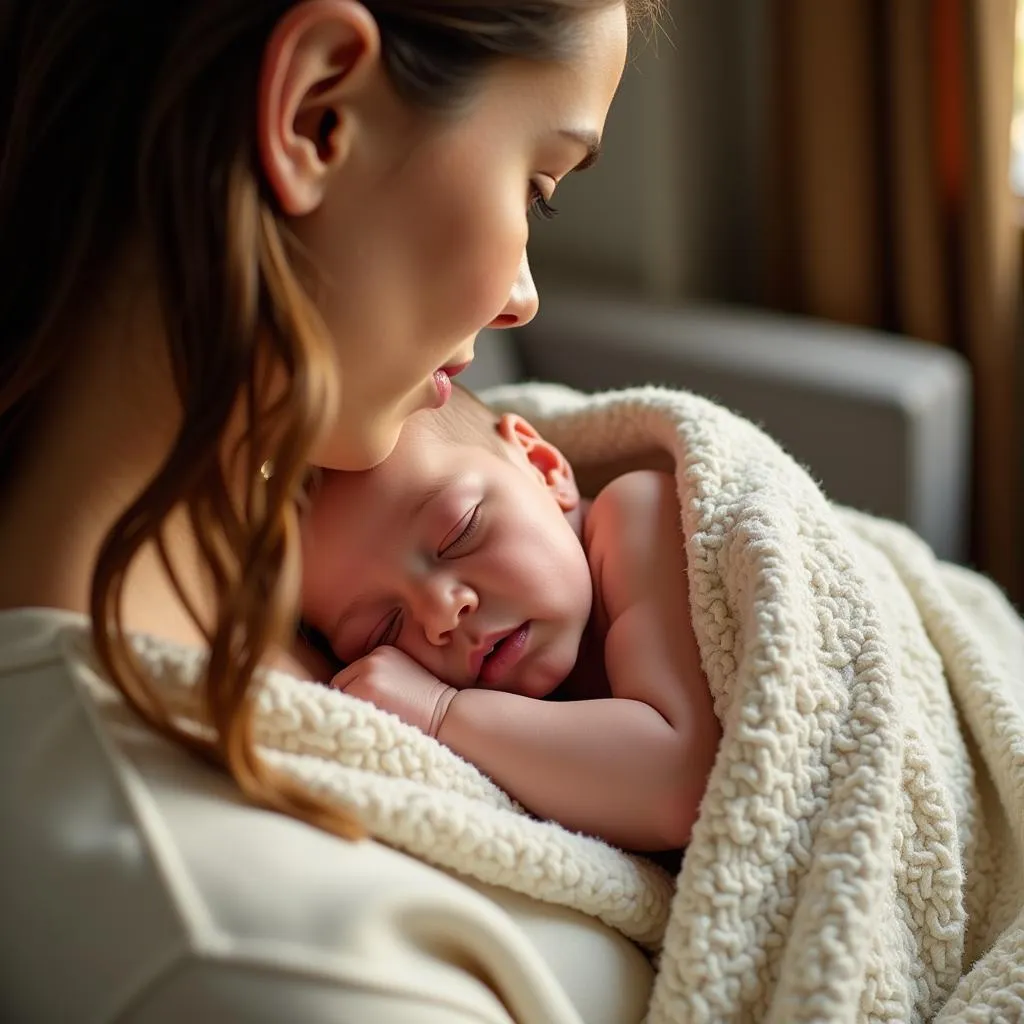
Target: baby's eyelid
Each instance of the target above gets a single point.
(382, 630)
(394, 629)
(455, 534)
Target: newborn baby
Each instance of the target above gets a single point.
(464, 580)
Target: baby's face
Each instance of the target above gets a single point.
(446, 551)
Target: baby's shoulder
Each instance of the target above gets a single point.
(633, 535)
(633, 512)
(629, 500)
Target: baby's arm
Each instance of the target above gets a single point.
(587, 764)
(631, 769)
(636, 545)
(591, 765)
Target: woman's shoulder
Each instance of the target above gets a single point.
(154, 884)
(30, 636)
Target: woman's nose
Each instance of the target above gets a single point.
(443, 606)
(523, 302)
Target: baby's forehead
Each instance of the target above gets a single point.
(386, 482)
(427, 455)
(411, 468)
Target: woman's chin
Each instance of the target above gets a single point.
(361, 450)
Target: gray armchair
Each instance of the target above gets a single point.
(881, 421)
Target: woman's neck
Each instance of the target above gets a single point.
(105, 425)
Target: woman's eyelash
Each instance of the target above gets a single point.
(466, 533)
(540, 207)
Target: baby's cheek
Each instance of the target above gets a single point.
(582, 582)
(411, 641)
(311, 585)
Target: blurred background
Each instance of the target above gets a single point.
(852, 163)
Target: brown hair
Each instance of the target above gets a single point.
(122, 119)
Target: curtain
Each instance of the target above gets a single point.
(891, 205)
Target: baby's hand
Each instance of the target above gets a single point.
(394, 682)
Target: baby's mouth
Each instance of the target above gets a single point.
(481, 659)
(484, 656)
(503, 656)
(497, 644)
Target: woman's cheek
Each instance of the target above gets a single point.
(489, 236)
(496, 270)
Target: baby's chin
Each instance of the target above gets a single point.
(541, 680)
(538, 690)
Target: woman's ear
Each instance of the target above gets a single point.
(320, 56)
(543, 457)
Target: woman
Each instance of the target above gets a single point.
(240, 238)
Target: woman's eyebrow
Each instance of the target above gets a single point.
(591, 140)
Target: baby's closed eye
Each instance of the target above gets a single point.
(456, 542)
(386, 633)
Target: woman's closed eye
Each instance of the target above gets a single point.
(456, 542)
(540, 205)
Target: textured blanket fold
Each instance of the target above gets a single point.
(859, 854)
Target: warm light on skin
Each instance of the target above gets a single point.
(418, 224)
(448, 544)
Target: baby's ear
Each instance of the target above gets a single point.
(543, 457)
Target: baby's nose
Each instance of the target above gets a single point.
(445, 609)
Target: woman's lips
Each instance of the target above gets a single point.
(443, 382)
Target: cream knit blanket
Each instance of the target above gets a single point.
(858, 855)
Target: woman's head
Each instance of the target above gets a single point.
(327, 199)
(348, 183)
(413, 201)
